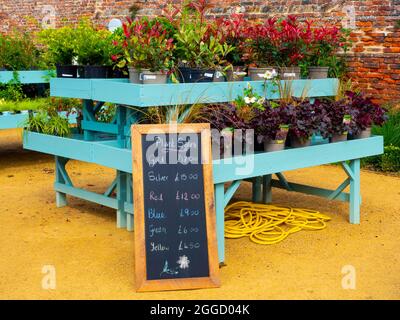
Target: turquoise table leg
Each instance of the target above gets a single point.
(87, 113)
(220, 212)
(129, 199)
(267, 188)
(257, 189)
(61, 198)
(121, 196)
(355, 197)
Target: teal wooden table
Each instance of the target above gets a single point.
(10, 120)
(109, 145)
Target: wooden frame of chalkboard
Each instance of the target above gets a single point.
(143, 283)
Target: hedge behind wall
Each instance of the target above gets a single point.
(374, 63)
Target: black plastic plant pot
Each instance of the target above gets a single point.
(93, 72)
(67, 71)
(117, 73)
(192, 75)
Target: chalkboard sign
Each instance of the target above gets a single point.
(175, 236)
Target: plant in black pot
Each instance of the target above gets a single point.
(305, 122)
(199, 46)
(365, 114)
(148, 51)
(335, 119)
(59, 50)
(93, 49)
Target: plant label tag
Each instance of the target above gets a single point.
(292, 74)
(218, 74)
(261, 75)
(209, 75)
(65, 75)
(149, 77)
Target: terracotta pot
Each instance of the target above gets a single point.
(338, 138)
(296, 142)
(290, 73)
(318, 72)
(149, 77)
(256, 74)
(274, 145)
(363, 134)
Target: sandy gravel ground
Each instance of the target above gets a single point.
(94, 260)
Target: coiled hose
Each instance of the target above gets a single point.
(269, 224)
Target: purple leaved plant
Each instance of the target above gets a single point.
(364, 112)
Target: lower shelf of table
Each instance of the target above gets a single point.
(106, 152)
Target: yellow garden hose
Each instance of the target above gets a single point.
(269, 224)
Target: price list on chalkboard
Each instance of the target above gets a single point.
(174, 207)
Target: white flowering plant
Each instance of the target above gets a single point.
(250, 98)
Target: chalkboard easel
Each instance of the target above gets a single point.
(174, 212)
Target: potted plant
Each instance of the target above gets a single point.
(292, 47)
(148, 51)
(198, 45)
(59, 50)
(233, 33)
(93, 49)
(305, 122)
(335, 119)
(323, 43)
(365, 113)
(262, 48)
(271, 125)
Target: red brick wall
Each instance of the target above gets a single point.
(374, 63)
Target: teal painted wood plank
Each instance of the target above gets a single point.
(27, 77)
(77, 149)
(243, 167)
(99, 126)
(12, 121)
(325, 193)
(87, 195)
(231, 191)
(71, 88)
(119, 91)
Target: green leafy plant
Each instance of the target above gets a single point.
(390, 130)
(54, 124)
(92, 46)
(147, 46)
(59, 45)
(199, 44)
(12, 91)
(19, 52)
(388, 162)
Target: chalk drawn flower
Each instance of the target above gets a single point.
(183, 262)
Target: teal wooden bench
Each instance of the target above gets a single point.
(109, 145)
